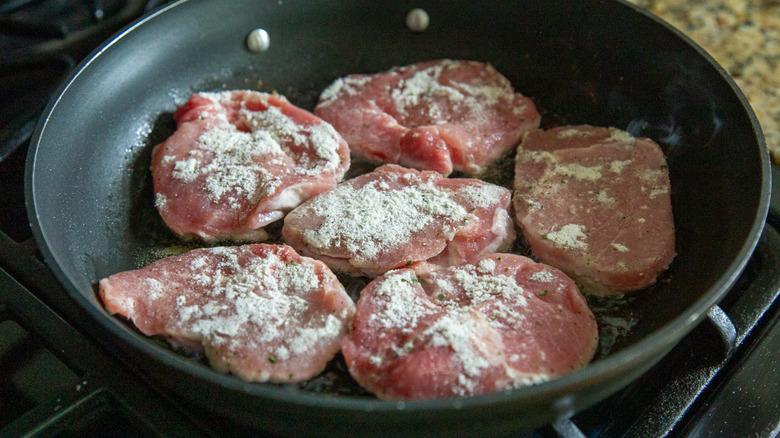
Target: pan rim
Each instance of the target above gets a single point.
(634, 356)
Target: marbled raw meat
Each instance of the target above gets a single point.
(499, 323)
(395, 216)
(440, 115)
(240, 160)
(260, 311)
(595, 202)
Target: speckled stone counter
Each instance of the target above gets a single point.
(744, 37)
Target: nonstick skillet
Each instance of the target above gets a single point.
(600, 62)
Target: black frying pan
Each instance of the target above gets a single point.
(597, 62)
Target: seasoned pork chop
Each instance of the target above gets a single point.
(240, 160)
(500, 323)
(259, 311)
(438, 115)
(395, 216)
(595, 203)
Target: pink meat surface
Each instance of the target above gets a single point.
(438, 115)
(240, 160)
(260, 311)
(595, 202)
(395, 216)
(500, 323)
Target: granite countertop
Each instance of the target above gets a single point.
(744, 37)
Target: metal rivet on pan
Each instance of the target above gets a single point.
(258, 40)
(417, 20)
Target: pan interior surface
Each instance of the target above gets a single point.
(601, 63)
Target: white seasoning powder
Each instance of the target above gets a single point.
(619, 247)
(348, 85)
(652, 176)
(526, 379)
(542, 276)
(422, 84)
(400, 305)
(300, 277)
(321, 138)
(245, 292)
(579, 171)
(160, 201)
(425, 90)
(456, 329)
(211, 308)
(617, 166)
(656, 179)
(234, 162)
(324, 140)
(307, 337)
(154, 289)
(658, 191)
(487, 94)
(282, 353)
(603, 198)
(481, 195)
(475, 339)
(232, 168)
(481, 288)
(199, 263)
(368, 220)
(569, 236)
(187, 313)
(274, 123)
(573, 132)
(534, 156)
(201, 279)
(186, 170)
(486, 266)
(621, 136)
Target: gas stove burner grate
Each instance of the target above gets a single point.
(26, 87)
(57, 383)
(34, 30)
(42, 41)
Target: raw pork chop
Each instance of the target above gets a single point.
(595, 203)
(395, 216)
(438, 115)
(259, 311)
(240, 160)
(500, 323)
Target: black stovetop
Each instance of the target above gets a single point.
(55, 380)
